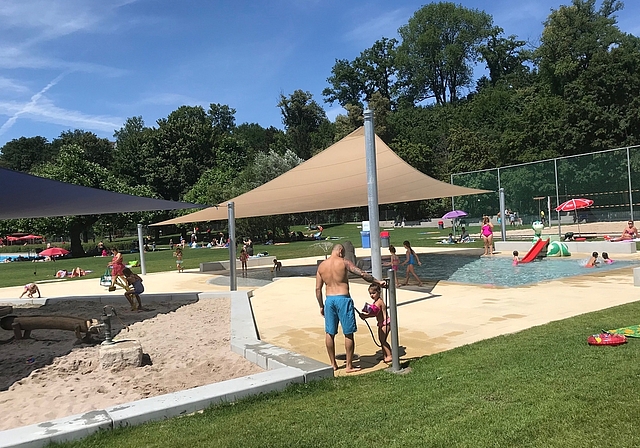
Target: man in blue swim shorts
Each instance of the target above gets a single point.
(338, 307)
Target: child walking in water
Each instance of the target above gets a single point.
(394, 263)
(516, 259)
(178, 255)
(244, 256)
(378, 309)
(412, 259)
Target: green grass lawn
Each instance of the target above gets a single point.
(542, 387)
(20, 273)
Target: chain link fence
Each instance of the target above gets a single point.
(611, 178)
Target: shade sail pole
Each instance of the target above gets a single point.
(503, 224)
(233, 280)
(143, 266)
(372, 193)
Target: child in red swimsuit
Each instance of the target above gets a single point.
(378, 309)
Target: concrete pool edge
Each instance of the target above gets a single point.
(283, 368)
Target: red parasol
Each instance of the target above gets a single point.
(574, 205)
(53, 252)
(31, 236)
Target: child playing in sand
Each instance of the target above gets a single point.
(593, 261)
(244, 256)
(30, 289)
(178, 255)
(516, 260)
(394, 263)
(277, 265)
(135, 282)
(378, 309)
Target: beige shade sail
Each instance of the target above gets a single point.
(333, 179)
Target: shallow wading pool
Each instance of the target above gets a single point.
(499, 271)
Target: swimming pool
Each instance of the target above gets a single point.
(499, 271)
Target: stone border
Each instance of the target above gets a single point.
(283, 369)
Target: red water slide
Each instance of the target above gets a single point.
(535, 250)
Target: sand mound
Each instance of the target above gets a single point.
(51, 376)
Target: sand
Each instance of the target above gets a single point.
(52, 375)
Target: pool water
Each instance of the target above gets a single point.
(499, 271)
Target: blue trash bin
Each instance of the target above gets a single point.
(366, 240)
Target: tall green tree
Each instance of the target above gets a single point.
(506, 59)
(179, 151)
(373, 72)
(72, 165)
(572, 36)
(303, 117)
(439, 47)
(23, 153)
(97, 150)
(128, 159)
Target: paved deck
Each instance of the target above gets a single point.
(437, 317)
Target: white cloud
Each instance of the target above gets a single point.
(45, 111)
(41, 109)
(382, 25)
(10, 85)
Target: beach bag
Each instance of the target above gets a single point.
(105, 280)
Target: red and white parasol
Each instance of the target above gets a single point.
(574, 205)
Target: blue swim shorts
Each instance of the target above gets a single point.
(339, 308)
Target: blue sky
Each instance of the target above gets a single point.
(78, 64)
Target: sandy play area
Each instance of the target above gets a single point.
(51, 376)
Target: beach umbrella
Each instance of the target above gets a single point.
(53, 252)
(574, 205)
(31, 236)
(453, 215)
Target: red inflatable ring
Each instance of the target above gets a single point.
(606, 339)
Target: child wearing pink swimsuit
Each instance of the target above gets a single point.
(378, 309)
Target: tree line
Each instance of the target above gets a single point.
(576, 90)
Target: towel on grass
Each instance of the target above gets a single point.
(631, 332)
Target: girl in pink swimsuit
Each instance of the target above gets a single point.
(394, 263)
(487, 235)
(378, 309)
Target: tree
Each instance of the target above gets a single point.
(97, 150)
(440, 44)
(506, 59)
(302, 118)
(73, 166)
(128, 154)
(256, 137)
(572, 36)
(374, 71)
(24, 153)
(178, 152)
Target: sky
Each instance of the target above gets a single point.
(78, 64)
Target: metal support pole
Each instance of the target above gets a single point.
(555, 169)
(453, 205)
(143, 266)
(503, 224)
(393, 316)
(549, 209)
(372, 193)
(630, 191)
(233, 280)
